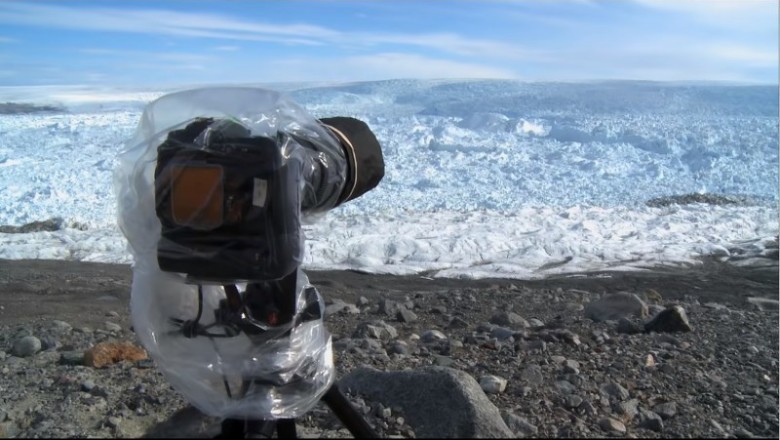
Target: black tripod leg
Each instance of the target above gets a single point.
(285, 428)
(231, 428)
(239, 428)
(344, 410)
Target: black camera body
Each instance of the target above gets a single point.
(228, 204)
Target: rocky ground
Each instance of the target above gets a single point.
(573, 356)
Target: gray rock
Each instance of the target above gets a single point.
(72, 358)
(50, 343)
(567, 336)
(672, 319)
(457, 322)
(467, 412)
(530, 346)
(441, 310)
(628, 327)
(615, 390)
(429, 336)
(112, 326)
(616, 306)
(400, 347)
(113, 421)
(654, 309)
(519, 425)
(666, 410)
(442, 361)
(388, 307)
(9, 430)
(650, 420)
(628, 409)
(375, 329)
(608, 424)
(26, 346)
(362, 301)
(558, 359)
(572, 401)
(492, 384)
(485, 327)
(535, 323)
(571, 367)
(509, 319)
(715, 425)
(87, 385)
(743, 433)
(338, 306)
(405, 315)
(764, 303)
(565, 387)
(61, 326)
(502, 334)
(532, 375)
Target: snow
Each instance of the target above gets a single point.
(483, 178)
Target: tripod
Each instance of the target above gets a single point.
(285, 428)
(262, 306)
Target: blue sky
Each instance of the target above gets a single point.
(199, 42)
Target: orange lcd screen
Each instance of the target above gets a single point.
(197, 196)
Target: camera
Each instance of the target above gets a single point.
(212, 192)
(227, 203)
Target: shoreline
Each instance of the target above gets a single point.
(709, 281)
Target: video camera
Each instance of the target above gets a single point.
(212, 192)
(227, 203)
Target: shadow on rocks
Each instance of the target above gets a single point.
(188, 422)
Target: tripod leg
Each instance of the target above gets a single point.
(239, 428)
(285, 428)
(344, 410)
(231, 428)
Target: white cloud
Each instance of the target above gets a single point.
(227, 48)
(157, 22)
(455, 44)
(745, 54)
(731, 13)
(220, 27)
(401, 65)
(7, 40)
(180, 57)
(668, 58)
(379, 66)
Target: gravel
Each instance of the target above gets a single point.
(550, 370)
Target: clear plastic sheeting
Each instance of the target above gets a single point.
(212, 190)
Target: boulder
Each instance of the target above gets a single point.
(436, 401)
(616, 306)
(673, 319)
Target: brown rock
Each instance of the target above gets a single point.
(108, 353)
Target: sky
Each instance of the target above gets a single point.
(167, 43)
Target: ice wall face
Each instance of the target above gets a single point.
(454, 145)
(504, 144)
(483, 178)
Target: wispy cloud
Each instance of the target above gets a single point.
(382, 66)
(227, 48)
(184, 57)
(730, 13)
(454, 44)
(157, 21)
(7, 40)
(190, 24)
